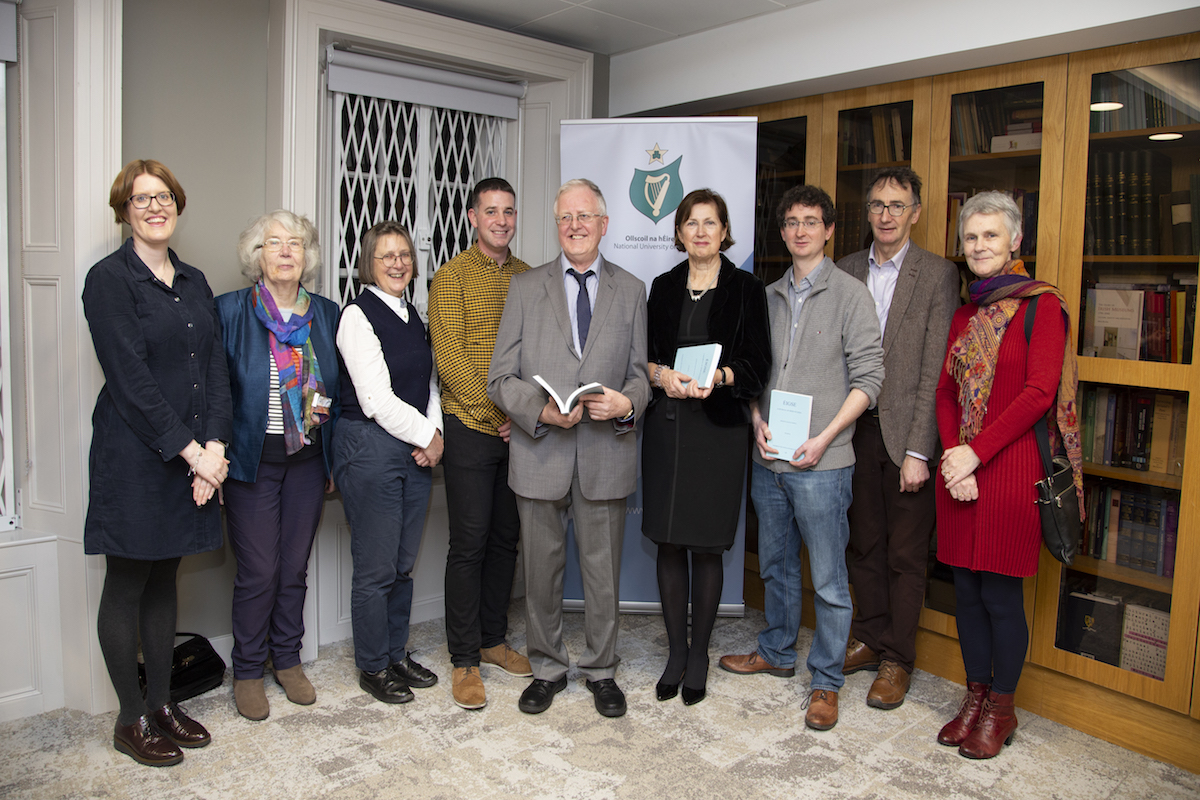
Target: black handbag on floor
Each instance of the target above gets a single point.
(195, 668)
(1057, 502)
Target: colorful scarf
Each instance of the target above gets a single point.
(971, 360)
(300, 381)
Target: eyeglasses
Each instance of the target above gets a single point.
(895, 209)
(275, 245)
(809, 224)
(582, 219)
(143, 200)
(391, 259)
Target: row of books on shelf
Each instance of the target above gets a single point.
(1130, 527)
(1150, 97)
(980, 123)
(1133, 428)
(1116, 630)
(872, 138)
(1140, 322)
(1123, 205)
(1026, 201)
(851, 228)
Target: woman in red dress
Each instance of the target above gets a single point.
(996, 385)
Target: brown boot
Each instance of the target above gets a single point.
(296, 685)
(956, 731)
(251, 698)
(995, 728)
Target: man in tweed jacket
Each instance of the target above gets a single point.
(892, 516)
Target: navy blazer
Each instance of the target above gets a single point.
(737, 319)
(246, 349)
(165, 384)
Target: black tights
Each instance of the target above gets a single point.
(138, 596)
(707, 579)
(992, 631)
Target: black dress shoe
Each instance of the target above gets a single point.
(413, 673)
(145, 743)
(385, 686)
(179, 727)
(665, 691)
(610, 700)
(538, 695)
(692, 696)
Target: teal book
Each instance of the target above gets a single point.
(789, 419)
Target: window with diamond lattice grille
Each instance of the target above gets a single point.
(412, 163)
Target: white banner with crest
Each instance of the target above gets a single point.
(644, 167)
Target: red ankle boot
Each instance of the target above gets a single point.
(956, 731)
(995, 728)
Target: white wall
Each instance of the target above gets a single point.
(194, 98)
(831, 45)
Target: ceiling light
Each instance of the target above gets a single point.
(1111, 106)
(1165, 137)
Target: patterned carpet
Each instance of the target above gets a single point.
(746, 740)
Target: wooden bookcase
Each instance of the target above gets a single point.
(1158, 717)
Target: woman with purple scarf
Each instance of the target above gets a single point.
(996, 384)
(283, 373)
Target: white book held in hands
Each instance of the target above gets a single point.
(699, 361)
(789, 419)
(572, 399)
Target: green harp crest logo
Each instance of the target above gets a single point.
(656, 193)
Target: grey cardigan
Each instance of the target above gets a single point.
(836, 348)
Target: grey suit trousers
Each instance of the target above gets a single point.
(599, 533)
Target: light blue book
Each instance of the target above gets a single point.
(699, 361)
(788, 420)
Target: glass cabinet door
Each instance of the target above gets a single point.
(1118, 616)
(864, 131)
(782, 164)
(869, 139)
(1142, 214)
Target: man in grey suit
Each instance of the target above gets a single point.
(892, 516)
(572, 321)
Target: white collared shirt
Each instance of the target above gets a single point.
(881, 281)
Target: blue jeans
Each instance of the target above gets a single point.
(386, 496)
(806, 508)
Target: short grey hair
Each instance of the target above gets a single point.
(251, 241)
(992, 202)
(576, 183)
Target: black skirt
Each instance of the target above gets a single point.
(692, 469)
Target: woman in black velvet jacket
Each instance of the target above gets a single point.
(697, 438)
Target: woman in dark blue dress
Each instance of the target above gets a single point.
(160, 428)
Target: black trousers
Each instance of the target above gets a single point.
(484, 530)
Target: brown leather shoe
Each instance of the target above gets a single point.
(145, 744)
(296, 684)
(956, 731)
(890, 686)
(859, 657)
(251, 698)
(751, 664)
(507, 659)
(996, 726)
(179, 727)
(822, 711)
(468, 688)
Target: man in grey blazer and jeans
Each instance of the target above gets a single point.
(572, 321)
(824, 344)
(892, 516)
